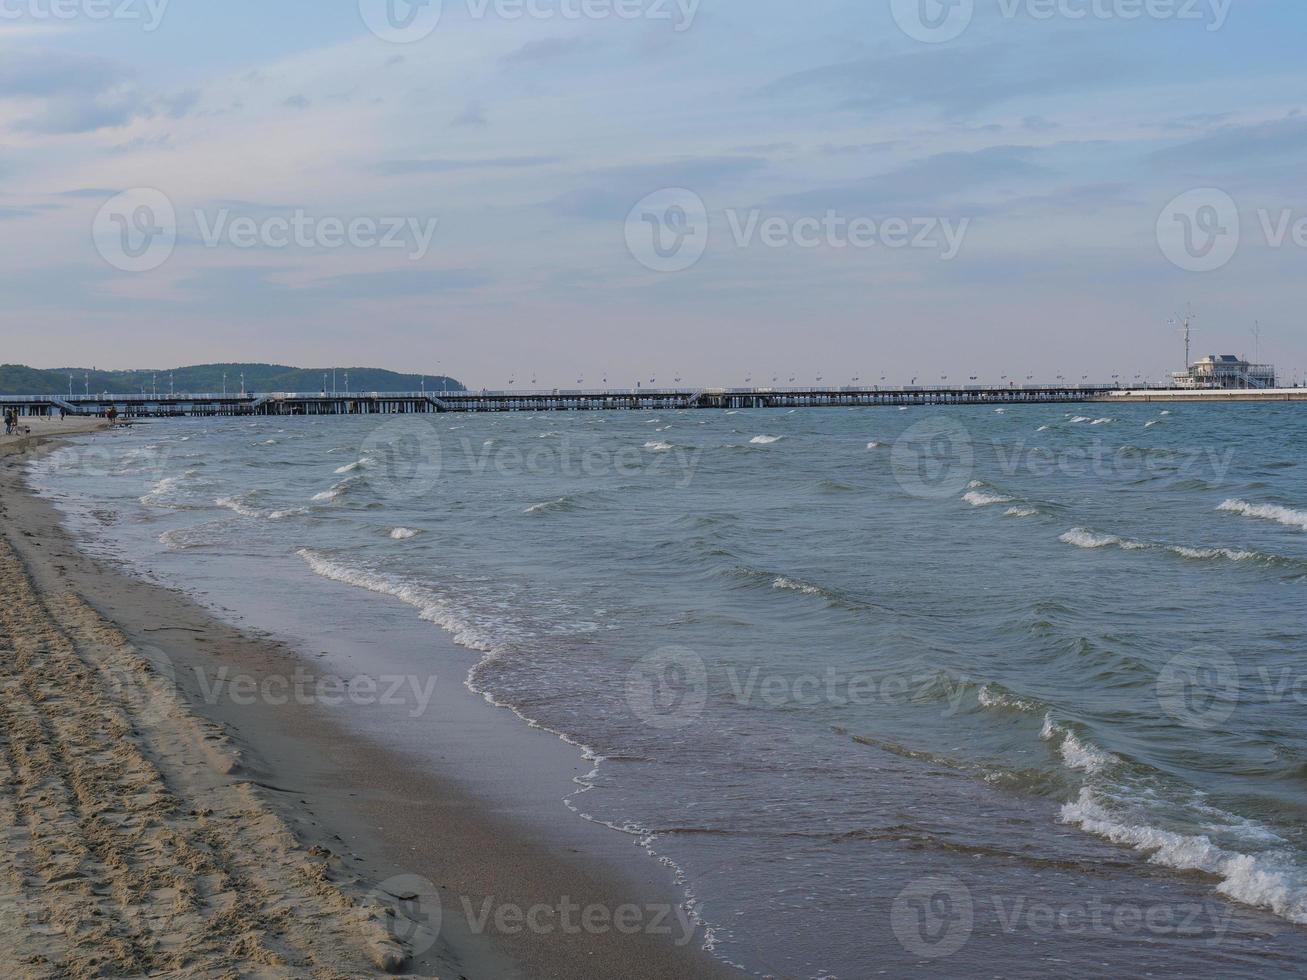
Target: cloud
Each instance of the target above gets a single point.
(923, 185)
(250, 290)
(397, 282)
(77, 93)
(611, 193)
(546, 49)
(958, 81)
(395, 168)
(473, 115)
(1257, 143)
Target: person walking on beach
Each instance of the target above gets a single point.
(10, 421)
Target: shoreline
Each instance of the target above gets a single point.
(488, 861)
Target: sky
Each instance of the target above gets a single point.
(712, 190)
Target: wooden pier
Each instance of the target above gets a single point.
(556, 400)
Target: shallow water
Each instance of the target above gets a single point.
(886, 689)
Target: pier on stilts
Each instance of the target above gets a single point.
(562, 400)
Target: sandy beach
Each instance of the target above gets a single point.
(151, 831)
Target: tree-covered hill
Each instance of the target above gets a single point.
(16, 379)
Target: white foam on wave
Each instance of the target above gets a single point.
(981, 498)
(196, 536)
(1267, 881)
(1149, 425)
(658, 446)
(875, 445)
(327, 496)
(237, 505)
(991, 697)
(1081, 418)
(281, 515)
(155, 496)
(1267, 512)
(1200, 554)
(1082, 538)
(765, 440)
(791, 585)
(1076, 753)
(548, 505)
(353, 467)
(1043, 428)
(1021, 512)
(1102, 421)
(429, 605)
(403, 533)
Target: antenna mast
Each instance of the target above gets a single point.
(1185, 321)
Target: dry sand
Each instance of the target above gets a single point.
(149, 832)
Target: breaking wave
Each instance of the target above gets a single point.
(1267, 512)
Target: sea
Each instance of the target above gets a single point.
(939, 691)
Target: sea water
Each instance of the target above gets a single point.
(933, 691)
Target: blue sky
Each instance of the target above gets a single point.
(1031, 163)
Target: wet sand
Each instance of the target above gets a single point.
(151, 829)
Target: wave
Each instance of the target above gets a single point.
(1206, 553)
(982, 498)
(157, 495)
(430, 606)
(562, 504)
(875, 445)
(336, 492)
(658, 446)
(239, 506)
(1076, 753)
(353, 467)
(1021, 512)
(212, 534)
(1265, 881)
(765, 440)
(1267, 512)
(403, 533)
(791, 585)
(1082, 538)
(999, 698)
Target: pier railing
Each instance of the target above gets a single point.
(152, 404)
